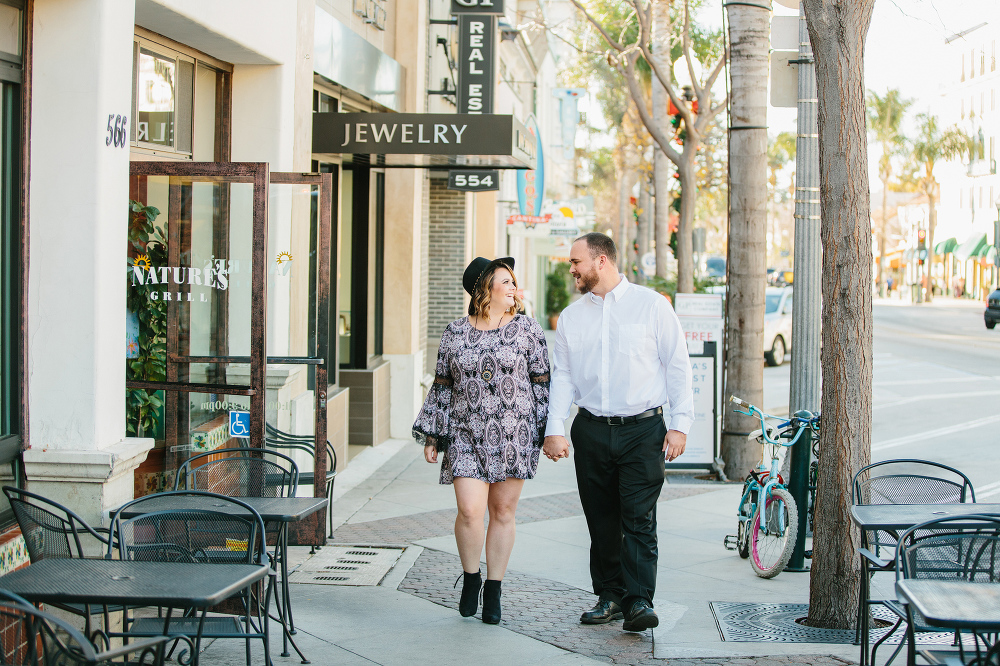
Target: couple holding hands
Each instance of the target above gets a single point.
(495, 405)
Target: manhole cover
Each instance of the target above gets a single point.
(347, 565)
(741, 622)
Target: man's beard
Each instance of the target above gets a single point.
(588, 281)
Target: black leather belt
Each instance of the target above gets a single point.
(621, 420)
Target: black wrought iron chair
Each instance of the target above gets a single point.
(965, 548)
(51, 530)
(225, 531)
(240, 472)
(280, 440)
(31, 637)
(901, 481)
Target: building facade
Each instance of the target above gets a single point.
(313, 303)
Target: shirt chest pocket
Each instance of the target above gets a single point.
(633, 339)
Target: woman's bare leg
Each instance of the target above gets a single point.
(471, 495)
(503, 499)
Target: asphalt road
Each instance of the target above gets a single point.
(936, 388)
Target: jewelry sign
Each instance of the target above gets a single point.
(477, 42)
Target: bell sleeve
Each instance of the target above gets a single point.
(432, 425)
(538, 373)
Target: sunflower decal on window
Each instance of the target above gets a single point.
(283, 257)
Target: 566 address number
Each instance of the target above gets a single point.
(474, 181)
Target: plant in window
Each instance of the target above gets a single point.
(147, 362)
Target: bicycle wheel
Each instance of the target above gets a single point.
(772, 533)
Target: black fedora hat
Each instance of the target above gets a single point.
(478, 266)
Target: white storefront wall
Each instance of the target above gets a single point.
(82, 72)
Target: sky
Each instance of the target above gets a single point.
(905, 47)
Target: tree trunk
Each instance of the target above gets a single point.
(749, 38)
(625, 181)
(662, 166)
(642, 228)
(685, 246)
(931, 225)
(837, 30)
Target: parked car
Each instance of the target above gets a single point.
(715, 268)
(992, 314)
(777, 324)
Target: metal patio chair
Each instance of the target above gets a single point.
(31, 637)
(240, 472)
(280, 440)
(217, 530)
(51, 530)
(963, 548)
(901, 481)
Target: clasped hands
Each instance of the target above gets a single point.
(556, 446)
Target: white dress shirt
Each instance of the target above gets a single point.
(619, 356)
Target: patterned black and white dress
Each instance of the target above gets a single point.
(487, 408)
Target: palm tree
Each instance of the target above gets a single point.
(885, 115)
(931, 146)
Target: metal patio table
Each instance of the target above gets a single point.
(283, 510)
(954, 605)
(100, 582)
(897, 518)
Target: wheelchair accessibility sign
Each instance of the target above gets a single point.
(239, 424)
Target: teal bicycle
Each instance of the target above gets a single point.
(768, 516)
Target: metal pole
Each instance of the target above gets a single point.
(804, 392)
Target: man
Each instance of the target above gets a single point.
(620, 354)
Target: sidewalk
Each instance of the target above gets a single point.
(389, 495)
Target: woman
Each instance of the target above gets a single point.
(486, 414)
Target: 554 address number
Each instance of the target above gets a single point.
(474, 181)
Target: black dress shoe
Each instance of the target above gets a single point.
(640, 617)
(605, 611)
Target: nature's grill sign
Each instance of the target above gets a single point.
(477, 41)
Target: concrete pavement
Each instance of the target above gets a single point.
(389, 495)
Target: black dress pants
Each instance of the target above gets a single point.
(619, 472)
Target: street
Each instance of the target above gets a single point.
(936, 388)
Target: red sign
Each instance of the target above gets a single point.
(529, 220)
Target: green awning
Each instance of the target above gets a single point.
(944, 247)
(992, 256)
(982, 250)
(972, 246)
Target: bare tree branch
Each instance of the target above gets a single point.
(662, 139)
(600, 28)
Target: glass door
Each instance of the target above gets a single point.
(228, 312)
(298, 340)
(196, 294)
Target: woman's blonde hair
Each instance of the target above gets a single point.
(479, 305)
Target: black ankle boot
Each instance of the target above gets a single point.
(491, 602)
(469, 603)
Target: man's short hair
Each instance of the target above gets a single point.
(599, 244)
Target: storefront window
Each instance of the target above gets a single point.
(174, 102)
(11, 274)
